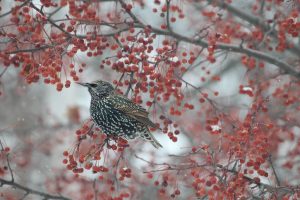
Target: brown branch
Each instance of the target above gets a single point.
(168, 15)
(130, 84)
(274, 172)
(28, 190)
(228, 47)
(54, 12)
(95, 189)
(112, 34)
(236, 48)
(3, 72)
(179, 168)
(90, 22)
(29, 50)
(135, 19)
(199, 42)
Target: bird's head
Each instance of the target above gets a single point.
(99, 88)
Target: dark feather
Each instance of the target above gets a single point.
(132, 110)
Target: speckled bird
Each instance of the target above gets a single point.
(117, 115)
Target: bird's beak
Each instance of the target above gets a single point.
(83, 84)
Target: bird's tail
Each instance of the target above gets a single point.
(147, 135)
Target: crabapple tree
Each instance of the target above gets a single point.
(220, 77)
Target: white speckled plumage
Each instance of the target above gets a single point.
(117, 115)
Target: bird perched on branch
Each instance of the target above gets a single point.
(117, 115)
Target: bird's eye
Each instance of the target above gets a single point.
(93, 85)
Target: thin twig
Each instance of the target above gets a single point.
(274, 172)
(3, 72)
(95, 189)
(130, 84)
(29, 50)
(168, 16)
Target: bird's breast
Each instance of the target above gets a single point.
(113, 121)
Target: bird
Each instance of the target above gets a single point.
(116, 115)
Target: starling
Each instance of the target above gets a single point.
(117, 115)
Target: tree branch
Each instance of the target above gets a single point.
(256, 21)
(199, 42)
(235, 48)
(229, 47)
(274, 172)
(271, 189)
(28, 190)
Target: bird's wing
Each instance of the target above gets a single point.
(132, 110)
